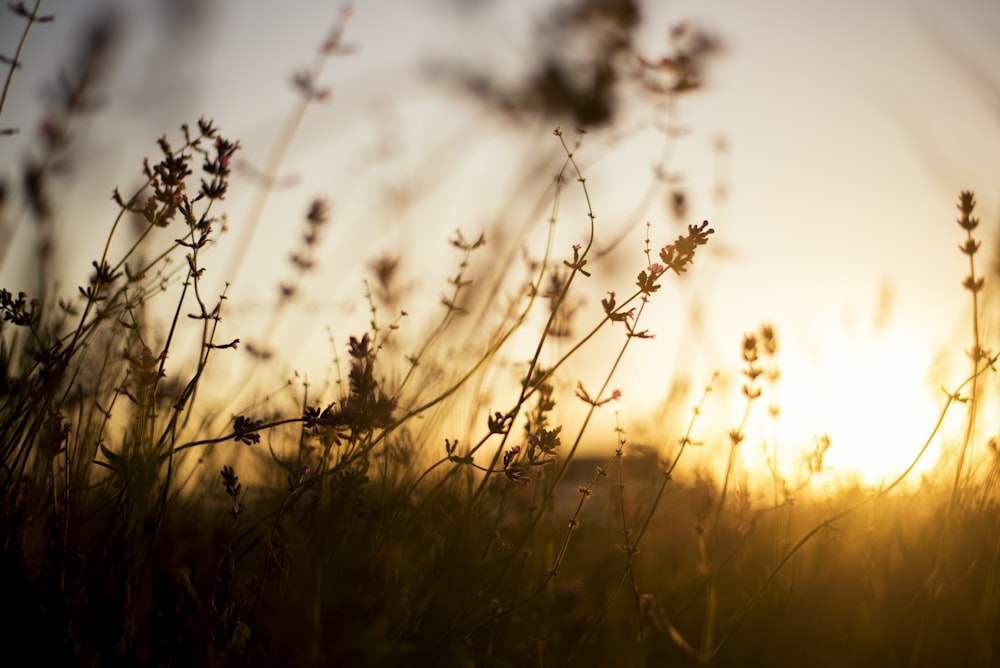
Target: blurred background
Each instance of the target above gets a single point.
(825, 142)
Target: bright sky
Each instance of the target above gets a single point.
(850, 128)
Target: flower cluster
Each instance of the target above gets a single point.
(245, 430)
(498, 423)
(514, 465)
(317, 216)
(542, 445)
(540, 450)
(678, 255)
(234, 487)
(168, 178)
(219, 166)
(16, 310)
(365, 409)
(968, 222)
(508, 457)
(751, 371)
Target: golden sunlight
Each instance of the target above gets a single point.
(866, 389)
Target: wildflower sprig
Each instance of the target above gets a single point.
(751, 372)
(582, 394)
(234, 490)
(647, 280)
(245, 430)
(498, 423)
(359, 420)
(513, 468)
(303, 260)
(677, 256)
(611, 309)
(974, 285)
(19, 310)
(579, 261)
(167, 180)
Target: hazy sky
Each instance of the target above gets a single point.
(849, 129)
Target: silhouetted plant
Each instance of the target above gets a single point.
(350, 537)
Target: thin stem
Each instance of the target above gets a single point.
(15, 62)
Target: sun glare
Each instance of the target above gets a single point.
(867, 391)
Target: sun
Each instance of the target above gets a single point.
(865, 389)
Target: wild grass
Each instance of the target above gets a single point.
(351, 530)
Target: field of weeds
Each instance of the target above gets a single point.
(162, 504)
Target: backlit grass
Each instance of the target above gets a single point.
(153, 516)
